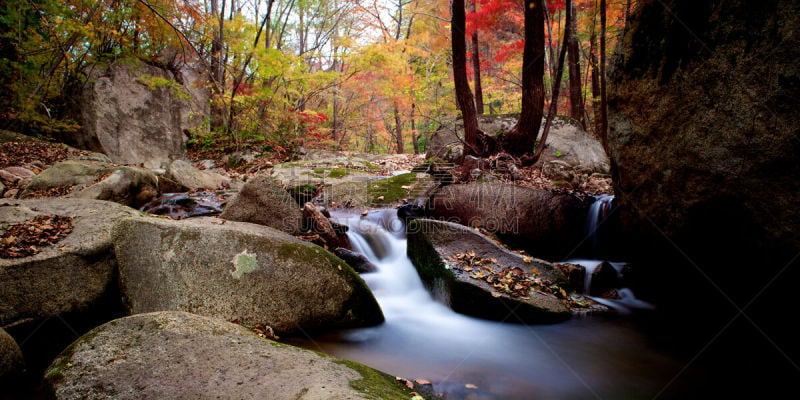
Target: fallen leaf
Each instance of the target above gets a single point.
(470, 386)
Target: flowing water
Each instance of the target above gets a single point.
(468, 358)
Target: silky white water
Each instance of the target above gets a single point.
(421, 338)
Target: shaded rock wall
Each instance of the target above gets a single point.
(705, 132)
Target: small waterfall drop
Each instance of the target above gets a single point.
(598, 212)
(423, 338)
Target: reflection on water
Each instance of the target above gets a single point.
(581, 358)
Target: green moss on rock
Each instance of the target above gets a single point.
(391, 189)
(374, 384)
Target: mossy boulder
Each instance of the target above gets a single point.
(431, 244)
(239, 271)
(70, 276)
(546, 224)
(263, 201)
(181, 355)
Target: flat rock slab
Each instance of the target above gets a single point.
(432, 243)
(238, 271)
(178, 355)
(68, 276)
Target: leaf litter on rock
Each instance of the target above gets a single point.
(27, 238)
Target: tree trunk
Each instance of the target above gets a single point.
(217, 111)
(522, 138)
(414, 137)
(398, 129)
(463, 93)
(575, 92)
(556, 89)
(476, 66)
(595, 84)
(603, 134)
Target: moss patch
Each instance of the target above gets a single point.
(426, 259)
(375, 384)
(339, 173)
(391, 189)
(371, 166)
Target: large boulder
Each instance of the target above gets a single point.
(12, 363)
(137, 112)
(85, 179)
(185, 174)
(704, 137)
(180, 355)
(238, 271)
(263, 201)
(70, 276)
(567, 142)
(460, 262)
(546, 224)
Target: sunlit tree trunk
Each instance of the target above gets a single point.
(522, 138)
(476, 66)
(463, 93)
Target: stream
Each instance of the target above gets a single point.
(469, 358)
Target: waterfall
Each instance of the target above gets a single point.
(467, 357)
(598, 212)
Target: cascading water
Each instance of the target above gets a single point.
(422, 338)
(598, 212)
(627, 302)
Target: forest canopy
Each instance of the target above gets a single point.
(370, 75)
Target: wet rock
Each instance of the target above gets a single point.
(238, 271)
(181, 355)
(432, 244)
(546, 224)
(576, 275)
(130, 186)
(314, 221)
(407, 212)
(604, 278)
(70, 276)
(359, 263)
(2, 188)
(263, 201)
(184, 173)
(187, 205)
(12, 364)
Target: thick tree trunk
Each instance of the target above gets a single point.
(598, 116)
(575, 92)
(603, 134)
(398, 129)
(463, 93)
(522, 138)
(476, 66)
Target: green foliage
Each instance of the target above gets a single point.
(156, 82)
